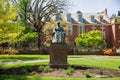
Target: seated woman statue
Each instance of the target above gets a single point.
(58, 35)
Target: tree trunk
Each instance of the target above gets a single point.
(40, 44)
(39, 40)
(25, 46)
(40, 36)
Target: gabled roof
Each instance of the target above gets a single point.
(86, 18)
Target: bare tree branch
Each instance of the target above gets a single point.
(41, 9)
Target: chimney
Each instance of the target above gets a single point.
(118, 13)
(105, 12)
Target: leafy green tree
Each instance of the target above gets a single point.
(90, 39)
(27, 35)
(9, 29)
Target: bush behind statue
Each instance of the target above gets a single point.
(90, 39)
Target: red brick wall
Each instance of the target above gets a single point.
(72, 37)
(109, 36)
(117, 36)
(112, 34)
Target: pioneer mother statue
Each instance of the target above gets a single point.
(58, 35)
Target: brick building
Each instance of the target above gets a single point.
(83, 22)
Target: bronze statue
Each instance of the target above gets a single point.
(58, 34)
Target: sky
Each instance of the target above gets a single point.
(94, 6)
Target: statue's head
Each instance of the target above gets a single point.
(58, 23)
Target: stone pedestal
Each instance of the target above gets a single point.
(58, 55)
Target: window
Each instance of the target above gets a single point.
(80, 18)
(103, 35)
(80, 29)
(93, 18)
(103, 31)
(101, 18)
(93, 28)
(69, 17)
(69, 30)
(57, 17)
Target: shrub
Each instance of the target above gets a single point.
(24, 71)
(109, 52)
(44, 69)
(1, 50)
(69, 70)
(87, 74)
(90, 39)
(11, 51)
(33, 72)
(27, 69)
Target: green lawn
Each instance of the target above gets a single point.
(24, 56)
(9, 58)
(14, 77)
(110, 62)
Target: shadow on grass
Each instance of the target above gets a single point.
(15, 77)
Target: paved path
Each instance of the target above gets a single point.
(31, 61)
(47, 60)
(21, 62)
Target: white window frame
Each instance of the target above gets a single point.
(80, 29)
(69, 30)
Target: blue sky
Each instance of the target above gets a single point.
(94, 6)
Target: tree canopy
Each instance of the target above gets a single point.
(9, 30)
(28, 34)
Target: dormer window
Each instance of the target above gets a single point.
(93, 18)
(80, 19)
(101, 18)
(69, 17)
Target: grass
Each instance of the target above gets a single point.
(24, 56)
(14, 58)
(15, 77)
(109, 62)
(94, 56)
(22, 64)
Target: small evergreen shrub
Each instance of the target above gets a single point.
(44, 69)
(24, 71)
(69, 70)
(87, 74)
(29, 68)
